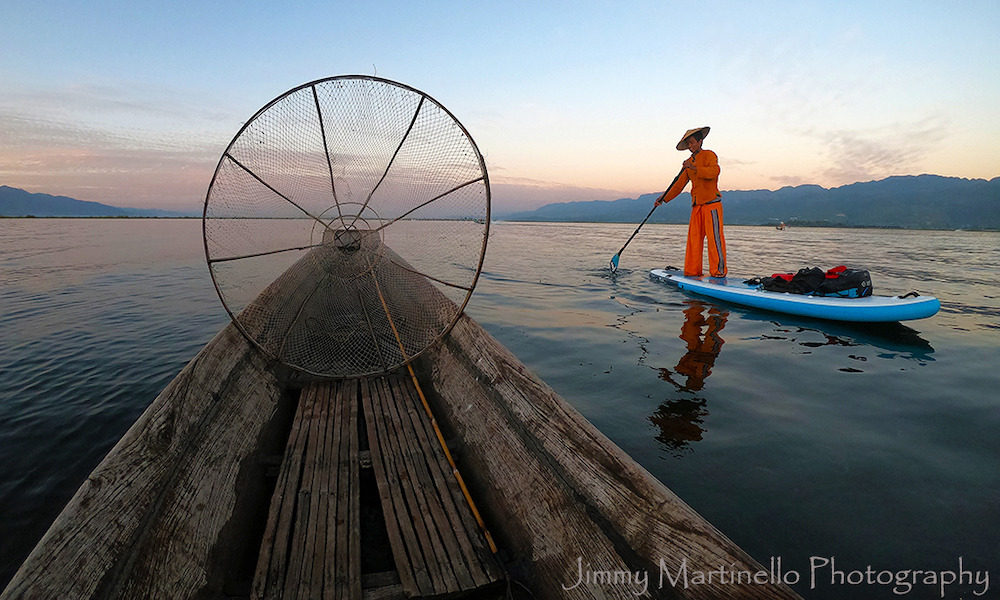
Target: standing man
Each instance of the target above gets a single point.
(702, 170)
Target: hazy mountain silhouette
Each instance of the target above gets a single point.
(19, 203)
(913, 201)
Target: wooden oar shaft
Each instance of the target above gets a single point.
(679, 173)
(637, 229)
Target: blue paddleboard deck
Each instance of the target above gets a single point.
(873, 309)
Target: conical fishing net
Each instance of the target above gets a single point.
(346, 225)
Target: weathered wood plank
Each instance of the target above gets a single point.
(481, 562)
(271, 561)
(147, 520)
(298, 554)
(354, 523)
(334, 584)
(276, 576)
(432, 539)
(412, 532)
(460, 520)
(315, 549)
(314, 557)
(325, 462)
(417, 506)
(422, 452)
(558, 490)
(344, 528)
(399, 542)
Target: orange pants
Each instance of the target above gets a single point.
(706, 221)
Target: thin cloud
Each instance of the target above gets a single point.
(119, 168)
(94, 102)
(791, 180)
(866, 155)
(109, 145)
(33, 133)
(523, 193)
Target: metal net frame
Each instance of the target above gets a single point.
(346, 225)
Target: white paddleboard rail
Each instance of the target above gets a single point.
(871, 309)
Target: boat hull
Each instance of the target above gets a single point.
(177, 508)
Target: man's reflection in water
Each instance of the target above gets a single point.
(680, 420)
(701, 334)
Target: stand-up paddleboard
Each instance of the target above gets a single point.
(871, 309)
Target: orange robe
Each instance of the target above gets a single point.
(706, 215)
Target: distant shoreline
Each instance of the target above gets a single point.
(919, 202)
(796, 225)
(90, 217)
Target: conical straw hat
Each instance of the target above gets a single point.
(682, 145)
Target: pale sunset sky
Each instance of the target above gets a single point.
(132, 103)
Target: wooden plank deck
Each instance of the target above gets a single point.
(312, 542)
(168, 512)
(436, 542)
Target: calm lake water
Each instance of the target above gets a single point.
(874, 446)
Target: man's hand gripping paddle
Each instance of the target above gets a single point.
(614, 259)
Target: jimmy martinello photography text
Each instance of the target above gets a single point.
(819, 572)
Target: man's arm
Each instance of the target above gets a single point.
(674, 190)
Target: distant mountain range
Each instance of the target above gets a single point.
(911, 202)
(19, 203)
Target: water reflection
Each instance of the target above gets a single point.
(700, 332)
(894, 339)
(680, 423)
(680, 420)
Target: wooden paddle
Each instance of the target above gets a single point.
(616, 257)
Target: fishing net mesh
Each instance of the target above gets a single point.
(346, 225)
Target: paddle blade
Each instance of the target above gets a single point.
(614, 263)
